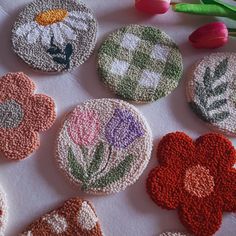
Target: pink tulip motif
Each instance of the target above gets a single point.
(84, 127)
(213, 35)
(152, 6)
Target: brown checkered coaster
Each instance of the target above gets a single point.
(140, 63)
(211, 91)
(54, 36)
(103, 146)
(75, 217)
(3, 212)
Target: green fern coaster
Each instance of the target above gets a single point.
(140, 63)
(103, 146)
(211, 91)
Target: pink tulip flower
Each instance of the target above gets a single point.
(153, 6)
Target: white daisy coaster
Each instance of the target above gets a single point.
(104, 146)
(3, 212)
(54, 36)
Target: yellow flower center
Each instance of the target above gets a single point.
(51, 16)
(198, 181)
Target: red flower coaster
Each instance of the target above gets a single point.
(197, 178)
(75, 218)
(22, 116)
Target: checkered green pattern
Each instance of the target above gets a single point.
(139, 60)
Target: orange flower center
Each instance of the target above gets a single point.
(51, 16)
(198, 181)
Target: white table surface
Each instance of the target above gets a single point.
(35, 186)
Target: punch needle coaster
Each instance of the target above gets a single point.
(196, 178)
(140, 63)
(104, 145)
(211, 91)
(174, 234)
(3, 212)
(54, 36)
(22, 115)
(75, 217)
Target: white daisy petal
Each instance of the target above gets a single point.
(80, 15)
(67, 31)
(57, 34)
(46, 36)
(33, 35)
(25, 28)
(77, 24)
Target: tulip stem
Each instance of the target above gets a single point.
(232, 32)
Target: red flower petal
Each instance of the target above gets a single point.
(203, 218)
(163, 185)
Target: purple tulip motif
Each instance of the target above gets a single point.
(122, 129)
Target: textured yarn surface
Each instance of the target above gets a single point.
(104, 145)
(140, 63)
(22, 116)
(54, 36)
(211, 91)
(196, 178)
(3, 212)
(75, 217)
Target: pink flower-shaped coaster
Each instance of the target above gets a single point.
(104, 145)
(22, 116)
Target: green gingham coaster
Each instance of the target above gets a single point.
(140, 63)
(54, 36)
(211, 91)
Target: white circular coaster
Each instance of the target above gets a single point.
(3, 212)
(104, 145)
(54, 36)
(211, 91)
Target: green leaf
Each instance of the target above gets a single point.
(221, 69)
(200, 92)
(97, 160)
(220, 89)
(76, 169)
(220, 3)
(115, 174)
(219, 116)
(68, 50)
(207, 76)
(60, 60)
(217, 104)
(201, 113)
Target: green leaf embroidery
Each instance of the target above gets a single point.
(201, 93)
(219, 116)
(221, 69)
(217, 104)
(220, 89)
(199, 111)
(76, 169)
(115, 174)
(97, 160)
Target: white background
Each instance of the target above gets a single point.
(35, 186)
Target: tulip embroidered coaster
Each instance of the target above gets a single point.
(211, 91)
(75, 217)
(174, 234)
(22, 116)
(54, 36)
(104, 145)
(140, 63)
(197, 178)
(3, 212)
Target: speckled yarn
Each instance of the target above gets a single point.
(174, 234)
(140, 63)
(103, 146)
(22, 115)
(197, 178)
(54, 36)
(211, 91)
(3, 212)
(75, 217)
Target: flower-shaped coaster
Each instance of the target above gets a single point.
(22, 116)
(3, 212)
(211, 91)
(140, 63)
(104, 145)
(75, 217)
(197, 178)
(54, 36)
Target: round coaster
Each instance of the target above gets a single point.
(174, 234)
(22, 116)
(54, 36)
(3, 212)
(75, 217)
(104, 145)
(197, 178)
(211, 91)
(140, 63)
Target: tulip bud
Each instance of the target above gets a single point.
(213, 35)
(153, 6)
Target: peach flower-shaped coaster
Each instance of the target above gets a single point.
(75, 217)
(22, 116)
(197, 178)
